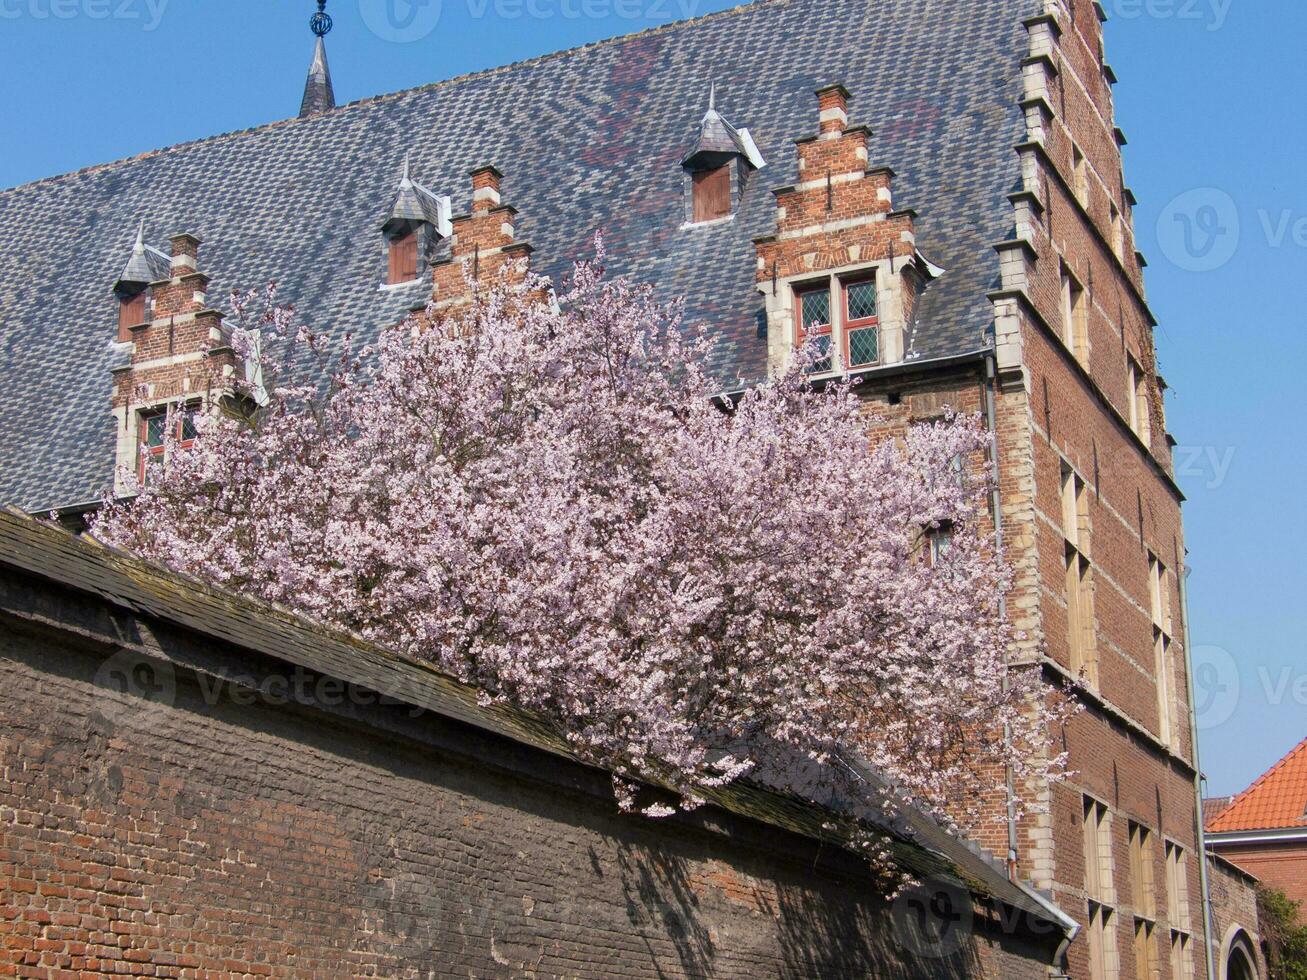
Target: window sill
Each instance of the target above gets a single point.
(715, 222)
(393, 287)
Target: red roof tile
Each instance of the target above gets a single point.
(1278, 800)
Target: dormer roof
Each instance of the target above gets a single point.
(718, 139)
(146, 265)
(414, 204)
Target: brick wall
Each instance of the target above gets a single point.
(1066, 401)
(1279, 866)
(1234, 915)
(213, 829)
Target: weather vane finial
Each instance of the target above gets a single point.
(320, 23)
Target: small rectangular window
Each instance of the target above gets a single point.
(1140, 414)
(1079, 586)
(813, 306)
(939, 540)
(131, 313)
(712, 193)
(861, 322)
(155, 428)
(1159, 589)
(1177, 888)
(403, 258)
(1147, 964)
(1118, 232)
(1141, 871)
(1080, 176)
(1075, 316)
(1182, 957)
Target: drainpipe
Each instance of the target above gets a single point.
(996, 504)
(1203, 877)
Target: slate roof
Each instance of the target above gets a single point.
(1214, 806)
(1277, 801)
(42, 552)
(589, 140)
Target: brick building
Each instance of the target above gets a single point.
(948, 218)
(1264, 829)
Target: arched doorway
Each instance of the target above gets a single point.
(1240, 964)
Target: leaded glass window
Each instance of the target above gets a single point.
(864, 346)
(861, 300)
(816, 310)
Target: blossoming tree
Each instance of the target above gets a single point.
(549, 499)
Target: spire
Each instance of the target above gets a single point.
(413, 205)
(144, 266)
(718, 140)
(318, 93)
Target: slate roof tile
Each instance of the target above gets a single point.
(589, 140)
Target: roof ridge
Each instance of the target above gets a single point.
(1261, 780)
(739, 8)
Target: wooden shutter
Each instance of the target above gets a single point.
(712, 193)
(131, 313)
(404, 258)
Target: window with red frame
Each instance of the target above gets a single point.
(154, 435)
(861, 323)
(403, 258)
(938, 541)
(813, 311)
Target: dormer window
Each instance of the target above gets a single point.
(857, 327)
(133, 310)
(815, 324)
(403, 265)
(861, 322)
(712, 193)
(717, 167)
(155, 429)
(416, 220)
(132, 290)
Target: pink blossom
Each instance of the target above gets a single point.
(549, 500)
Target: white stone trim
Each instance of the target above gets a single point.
(889, 301)
(835, 114)
(829, 226)
(848, 177)
(171, 361)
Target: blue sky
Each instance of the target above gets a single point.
(1211, 98)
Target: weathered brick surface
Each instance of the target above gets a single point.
(1234, 914)
(1066, 406)
(1279, 866)
(209, 834)
(483, 248)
